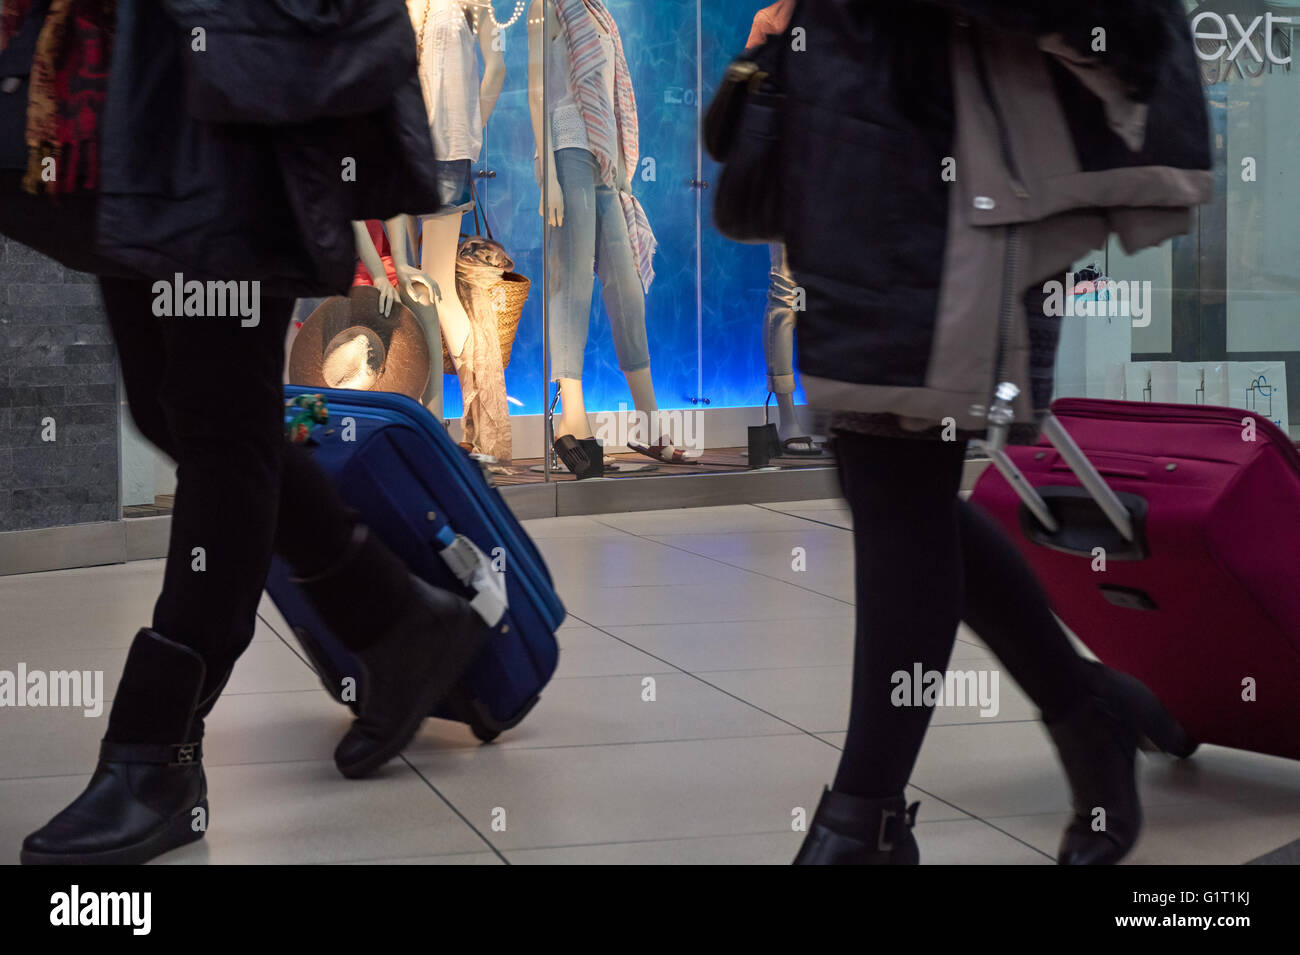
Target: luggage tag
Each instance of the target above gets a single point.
(473, 569)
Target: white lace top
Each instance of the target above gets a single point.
(568, 129)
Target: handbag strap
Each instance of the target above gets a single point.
(486, 225)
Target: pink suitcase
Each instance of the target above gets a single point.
(1203, 603)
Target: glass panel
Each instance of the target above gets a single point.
(1261, 245)
(749, 301)
(735, 276)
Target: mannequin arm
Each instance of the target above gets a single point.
(494, 68)
(396, 228)
(537, 111)
(415, 283)
(369, 256)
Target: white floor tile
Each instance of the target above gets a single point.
(751, 661)
(752, 598)
(727, 519)
(305, 812)
(647, 791)
(596, 711)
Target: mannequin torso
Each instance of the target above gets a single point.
(448, 77)
(447, 70)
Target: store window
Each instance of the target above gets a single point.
(599, 311)
(1220, 316)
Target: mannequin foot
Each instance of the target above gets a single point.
(801, 446)
(583, 457)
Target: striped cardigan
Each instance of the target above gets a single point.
(611, 127)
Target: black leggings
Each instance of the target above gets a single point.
(208, 393)
(925, 561)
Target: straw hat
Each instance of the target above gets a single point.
(347, 343)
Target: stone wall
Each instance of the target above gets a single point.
(56, 362)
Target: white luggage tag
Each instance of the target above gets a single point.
(473, 569)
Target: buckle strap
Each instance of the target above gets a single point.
(893, 825)
(163, 754)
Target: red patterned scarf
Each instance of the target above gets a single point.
(69, 83)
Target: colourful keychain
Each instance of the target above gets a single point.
(313, 411)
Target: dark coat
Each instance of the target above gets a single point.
(914, 280)
(229, 163)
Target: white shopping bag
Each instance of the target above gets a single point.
(1151, 381)
(1203, 383)
(1260, 386)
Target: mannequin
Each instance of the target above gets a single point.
(779, 316)
(395, 279)
(457, 115)
(587, 202)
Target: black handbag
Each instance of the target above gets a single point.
(742, 130)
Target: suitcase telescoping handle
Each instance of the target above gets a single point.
(1001, 416)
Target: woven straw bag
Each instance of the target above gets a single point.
(508, 294)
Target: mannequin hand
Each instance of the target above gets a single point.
(419, 287)
(552, 211)
(387, 295)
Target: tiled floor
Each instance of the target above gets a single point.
(749, 659)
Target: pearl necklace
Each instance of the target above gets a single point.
(514, 18)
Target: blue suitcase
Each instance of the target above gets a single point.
(431, 504)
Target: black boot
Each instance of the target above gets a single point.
(1097, 745)
(853, 830)
(411, 660)
(148, 794)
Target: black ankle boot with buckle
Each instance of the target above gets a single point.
(148, 793)
(854, 830)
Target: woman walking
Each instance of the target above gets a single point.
(944, 159)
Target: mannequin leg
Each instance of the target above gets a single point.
(778, 347)
(572, 256)
(643, 399)
(624, 297)
(440, 235)
(428, 316)
(573, 411)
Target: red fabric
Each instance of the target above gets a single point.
(69, 83)
(1220, 528)
(380, 239)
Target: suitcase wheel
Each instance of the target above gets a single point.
(479, 718)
